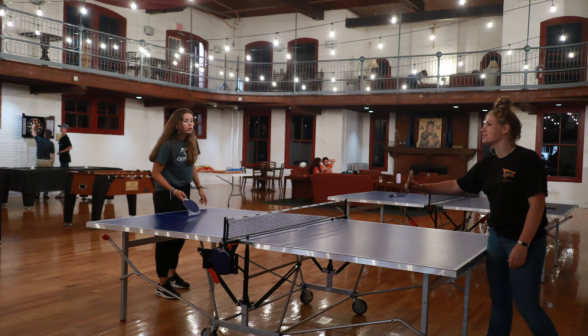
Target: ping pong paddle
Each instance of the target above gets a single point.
(191, 205)
(407, 185)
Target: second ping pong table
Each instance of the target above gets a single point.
(437, 205)
(441, 256)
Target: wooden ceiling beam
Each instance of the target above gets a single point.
(306, 110)
(528, 107)
(59, 88)
(303, 7)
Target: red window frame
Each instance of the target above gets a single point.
(249, 67)
(373, 117)
(580, 110)
(184, 61)
(246, 115)
(559, 21)
(297, 42)
(93, 113)
(95, 12)
(196, 110)
(289, 116)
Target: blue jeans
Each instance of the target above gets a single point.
(521, 284)
(64, 164)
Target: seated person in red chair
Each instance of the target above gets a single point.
(315, 167)
(327, 165)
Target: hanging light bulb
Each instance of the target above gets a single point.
(37, 32)
(2, 12)
(332, 32)
(296, 79)
(68, 40)
(462, 2)
(372, 76)
(553, 9)
(526, 67)
(231, 74)
(380, 45)
(39, 11)
(288, 56)
(276, 42)
(332, 51)
(176, 55)
(261, 77)
(483, 76)
(247, 79)
(211, 57)
(335, 88)
(404, 87)
(274, 84)
(147, 54)
(489, 24)
(414, 70)
(83, 10)
(133, 5)
(176, 63)
(197, 65)
(571, 55)
(88, 41)
(221, 72)
(115, 47)
(181, 50)
(9, 23)
(102, 46)
(303, 87)
(393, 19)
(432, 37)
(367, 89)
(562, 38)
(509, 52)
(459, 63)
(248, 57)
(333, 79)
(227, 48)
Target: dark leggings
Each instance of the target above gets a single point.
(167, 254)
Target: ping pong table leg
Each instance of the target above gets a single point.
(556, 251)
(425, 305)
(466, 302)
(382, 214)
(347, 212)
(124, 280)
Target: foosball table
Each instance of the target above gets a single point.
(102, 185)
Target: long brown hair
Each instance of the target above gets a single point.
(505, 116)
(316, 163)
(171, 132)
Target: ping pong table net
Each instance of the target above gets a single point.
(281, 220)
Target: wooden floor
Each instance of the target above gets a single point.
(64, 281)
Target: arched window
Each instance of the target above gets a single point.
(260, 54)
(177, 40)
(305, 52)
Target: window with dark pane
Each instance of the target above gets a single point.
(258, 136)
(559, 143)
(379, 141)
(88, 114)
(301, 139)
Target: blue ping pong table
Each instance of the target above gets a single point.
(557, 214)
(441, 256)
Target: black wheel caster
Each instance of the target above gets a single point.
(206, 332)
(359, 307)
(306, 296)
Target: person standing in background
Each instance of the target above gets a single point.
(45, 151)
(64, 148)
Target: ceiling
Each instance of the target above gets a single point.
(227, 9)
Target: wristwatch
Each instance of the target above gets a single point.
(522, 243)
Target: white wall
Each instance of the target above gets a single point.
(353, 146)
(330, 137)
(474, 133)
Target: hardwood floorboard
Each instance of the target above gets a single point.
(57, 281)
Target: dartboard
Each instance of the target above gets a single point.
(34, 121)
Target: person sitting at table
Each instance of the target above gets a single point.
(315, 167)
(415, 79)
(327, 165)
(45, 151)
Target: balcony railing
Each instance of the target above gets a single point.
(29, 38)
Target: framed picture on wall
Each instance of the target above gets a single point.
(430, 132)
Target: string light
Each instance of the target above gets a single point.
(2, 12)
(332, 32)
(553, 8)
(176, 63)
(562, 38)
(261, 77)
(432, 37)
(288, 56)
(393, 18)
(526, 67)
(181, 50)
(333, 78)
(221, 72)
(9, 23)
(404, 87)
(83, 10)
(483, 76)
(88, 41)
(227, 48)
(210, 57)
(68, 40)
(459, 63)
(367, 89)
(509, 52)
(39, 11)
(380, 45)
(247, 79)
(197, 65)
(462, 2)
(296, 79)
(115, 47)
(332, 51)
(176, 55)
(489, 24)
(248, 57)
(303, 87)
(276, 42)
(231, 74)
(103, 46)
(571, 55)
(133, 5)
(335, 88)
(372, 76)
(274, 84)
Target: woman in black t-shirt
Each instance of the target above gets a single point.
(515, 182)
(173, 169)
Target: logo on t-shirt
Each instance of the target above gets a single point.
(182, 158)
(507, 175)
